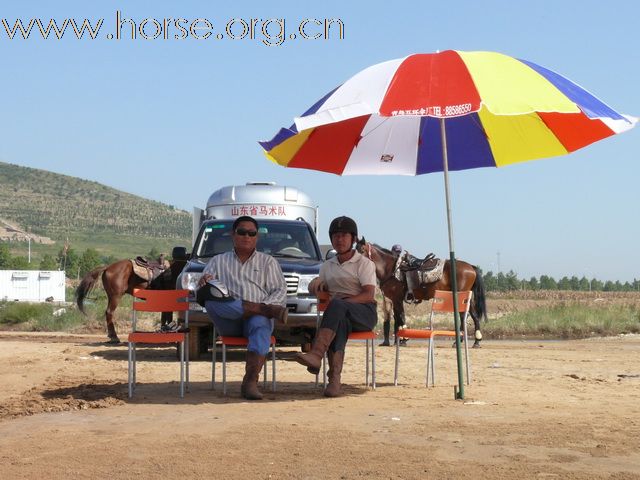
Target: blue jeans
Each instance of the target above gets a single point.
(227, 317)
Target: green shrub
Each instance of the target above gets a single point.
(12, 313)
(39, 316)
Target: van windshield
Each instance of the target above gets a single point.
(280, 239)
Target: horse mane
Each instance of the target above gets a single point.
(385, 250)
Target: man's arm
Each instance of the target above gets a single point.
(366, 295)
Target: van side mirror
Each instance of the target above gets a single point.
(330, 254)
(179, 253)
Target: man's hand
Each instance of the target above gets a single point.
(316, 285)
(204, 279)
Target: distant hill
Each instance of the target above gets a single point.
(59, 206)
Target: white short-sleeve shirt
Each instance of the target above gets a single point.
(349, 277)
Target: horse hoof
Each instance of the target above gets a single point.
(385, 344)
(113, 341)
(476, 344)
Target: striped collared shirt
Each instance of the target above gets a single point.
(259, 279)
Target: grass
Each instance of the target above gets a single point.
(562, 321)
(39, 317)
(566, 321)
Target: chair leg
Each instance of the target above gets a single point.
(366, 368)
(185, 348)
(429, 362)
(373, 363)
(130, 372)
(224, 369)
(135, 367)
(264, 375)
(182, 369)
(213, 364)
(433, 363)
(214, 348)
(273, 367)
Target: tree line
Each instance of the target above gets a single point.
(75, 264)
(509, 281)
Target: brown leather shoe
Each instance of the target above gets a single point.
(313, 359)
(253, 366)
(334, 388)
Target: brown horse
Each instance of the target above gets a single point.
(468, 278)
(118, 279)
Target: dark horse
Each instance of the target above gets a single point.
(118, 279)
(467, 275)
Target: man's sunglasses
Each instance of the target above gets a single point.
(243, 233)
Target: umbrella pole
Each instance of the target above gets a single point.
(459, 393)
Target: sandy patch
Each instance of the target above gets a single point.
(567, 410)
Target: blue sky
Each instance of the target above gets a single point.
(188, 114)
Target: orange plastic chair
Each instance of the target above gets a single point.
(369, 337)
(159, 301)
(442, 303)
(238, 342)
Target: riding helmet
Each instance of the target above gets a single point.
(397, 248)
(343, 225)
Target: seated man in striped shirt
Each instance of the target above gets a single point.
(259, 293)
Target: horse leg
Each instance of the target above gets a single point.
(398, 322)
(386, 330)
(478, 333)
(111, 308)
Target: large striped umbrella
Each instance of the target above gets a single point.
(444, 111)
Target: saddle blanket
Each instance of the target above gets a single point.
(433, 275)
(148, 273)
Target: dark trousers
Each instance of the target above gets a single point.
(345, 317)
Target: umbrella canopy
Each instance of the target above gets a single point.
(445, 111)
(499, 111)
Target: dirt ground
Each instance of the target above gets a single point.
(553, 409)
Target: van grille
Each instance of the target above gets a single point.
(292, 284)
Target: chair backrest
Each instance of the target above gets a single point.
(323, 301)
(160, 300)
(443, 301)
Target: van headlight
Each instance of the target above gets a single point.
(190, 280)
(303, 283)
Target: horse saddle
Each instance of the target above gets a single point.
(423, 264)
(420, 271)
(149, 270)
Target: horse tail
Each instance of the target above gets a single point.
(480, 303)
(86, 285)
